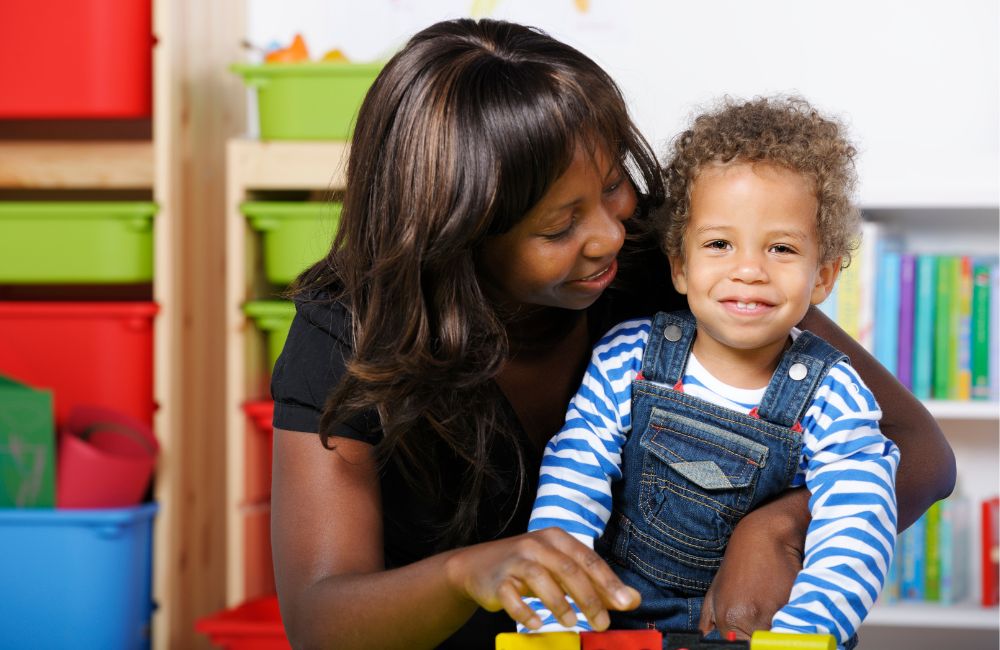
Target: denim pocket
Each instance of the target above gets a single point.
(698, 480)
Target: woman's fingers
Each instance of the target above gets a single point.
(510, 599)
(549, 565)
(565, 566)
(589, 569)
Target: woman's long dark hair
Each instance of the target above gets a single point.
(461, 134)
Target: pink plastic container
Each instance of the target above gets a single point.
(105, 459)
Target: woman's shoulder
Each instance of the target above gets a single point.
(326, 312)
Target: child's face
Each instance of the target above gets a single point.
(751, 264)
(562, 253)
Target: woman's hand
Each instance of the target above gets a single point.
(549, 564)
(762, 559)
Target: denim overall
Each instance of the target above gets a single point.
(691, 470)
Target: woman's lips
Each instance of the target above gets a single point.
(601, 279)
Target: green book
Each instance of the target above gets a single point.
(946, 328)
(980, 344)
(932, 554)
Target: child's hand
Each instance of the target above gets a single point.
(549, 564)
(762, 559)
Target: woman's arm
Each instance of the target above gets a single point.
(334, 590)
(765, 552)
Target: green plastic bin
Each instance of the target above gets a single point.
(273, 317)
(46, 242)
(308, 100)
(293, 235)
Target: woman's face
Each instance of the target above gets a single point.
(562, 253)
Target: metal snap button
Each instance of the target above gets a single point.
(672, 333)
(798, 371)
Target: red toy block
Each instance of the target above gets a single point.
(621, 640)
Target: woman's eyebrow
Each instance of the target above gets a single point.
(556, 209)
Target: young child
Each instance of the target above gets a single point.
(686, 421)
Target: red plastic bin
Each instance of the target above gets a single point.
(254, 625)
(259, 451)
(94, 354)
(76, 59)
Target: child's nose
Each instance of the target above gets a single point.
(749, 267)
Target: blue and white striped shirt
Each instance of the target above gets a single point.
(847, 464)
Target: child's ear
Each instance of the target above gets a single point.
(677, 274)
(826, 277)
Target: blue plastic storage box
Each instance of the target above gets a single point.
(76, 578)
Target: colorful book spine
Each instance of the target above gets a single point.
(953, 543)
(932, 553)
(849, 297)
(945, 328)
(887, 301)
(980, 325)
(872, 244)
(907, 287)
(995, 331)
(923, 326)
(990, 566)
(963, 320)
(911, 567)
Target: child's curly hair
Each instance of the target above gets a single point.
(784, 131)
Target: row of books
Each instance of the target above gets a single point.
(931, 319)
(936, 559)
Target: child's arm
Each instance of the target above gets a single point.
(927, 473)
(581, 461)
(850, 472)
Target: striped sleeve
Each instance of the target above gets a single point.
(584, 458)
(850, 471)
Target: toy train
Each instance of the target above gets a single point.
(653, 640)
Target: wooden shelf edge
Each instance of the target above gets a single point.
(289, 165)
(76, 165)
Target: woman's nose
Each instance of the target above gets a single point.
(607, 236)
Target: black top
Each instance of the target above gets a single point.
(311, 364)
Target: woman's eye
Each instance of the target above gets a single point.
(559, 234)
(613, 186)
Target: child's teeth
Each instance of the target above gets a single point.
(746, 305)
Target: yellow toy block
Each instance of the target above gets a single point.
(540, 641)
(762, 640)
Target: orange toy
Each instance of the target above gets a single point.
(297, 51)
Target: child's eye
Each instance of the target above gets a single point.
(717, 244)
(783, 249)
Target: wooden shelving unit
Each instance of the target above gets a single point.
(112, 165)
(178, 167)
(254, 166)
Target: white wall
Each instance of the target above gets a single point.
(917, 80)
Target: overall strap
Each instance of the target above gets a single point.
(799, 373)
(669, 344)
